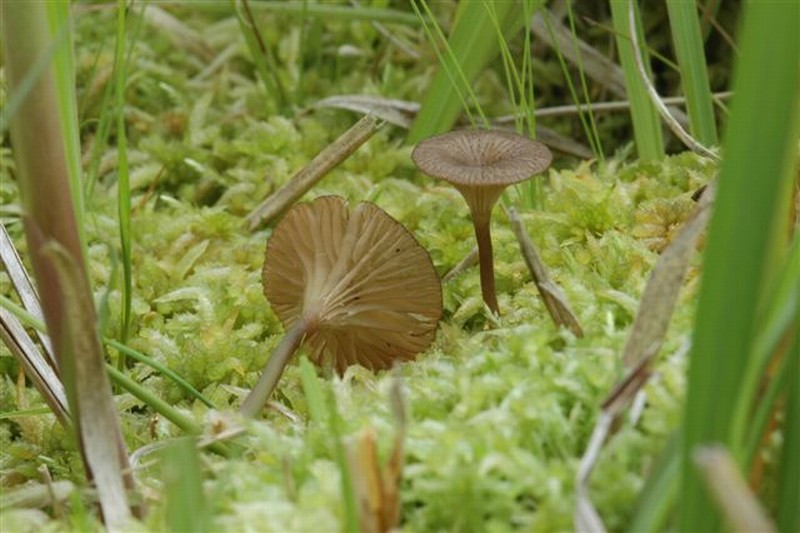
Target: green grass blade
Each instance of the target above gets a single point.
(688, 43)
(56, 249)
(123, 185)
(471, 45)
(582, 116)
(152, 363)
(760, 143)
(263, 58)
(31, 321)
(314, 398)
(351, 519)
(646, 123)
(519, 79)
(329, 11)
(319, 411)
(187, 509)
(528, 9)
(593, 135)
(158, 405)
(779, 314)
(658, 495)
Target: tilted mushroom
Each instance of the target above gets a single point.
(481, 164)
(356, 287)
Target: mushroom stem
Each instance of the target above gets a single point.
(266, 383)
(485, 261)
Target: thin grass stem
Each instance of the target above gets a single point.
(123, 186)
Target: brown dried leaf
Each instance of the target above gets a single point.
(663, 287)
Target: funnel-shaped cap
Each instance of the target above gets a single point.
(475, 158)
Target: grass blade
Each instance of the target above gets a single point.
(314, 398)
(300, 183)
(762, 384)
(761, 142)
(263, 58)
(82, 366)
(646, 124)
(688, 43)
(319, 413)
(158, 405)
(657, 498)
(123, 189)
(162, 369)
(593, 135)
(472, 44)
(22, 347)
(186, 504)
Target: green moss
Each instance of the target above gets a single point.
(500, 410)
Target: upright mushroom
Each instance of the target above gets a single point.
(356, 287)
(481, 164)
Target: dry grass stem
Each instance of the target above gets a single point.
(468, 261)
(673, 124)
(40, 369)
(24, 287)
(729, 490)
(596, 65)
(308, 176)
(554, 298)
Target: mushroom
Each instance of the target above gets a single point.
(481, 164)
(355, 287)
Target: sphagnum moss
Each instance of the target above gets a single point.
(497, 418)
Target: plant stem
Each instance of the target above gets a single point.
(258, 397)
(484, 238)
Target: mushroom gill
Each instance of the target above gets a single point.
(355, 287)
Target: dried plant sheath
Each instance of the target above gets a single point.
(22, 347)
(25, 289)
(308, 176)
(83, 365)
(40, 370)
(554, 298)
(56, 253)
(355, 287)
(468, 261)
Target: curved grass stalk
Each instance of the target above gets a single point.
(655, 99)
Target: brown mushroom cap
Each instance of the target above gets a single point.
(481, 157)
(361, 278)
